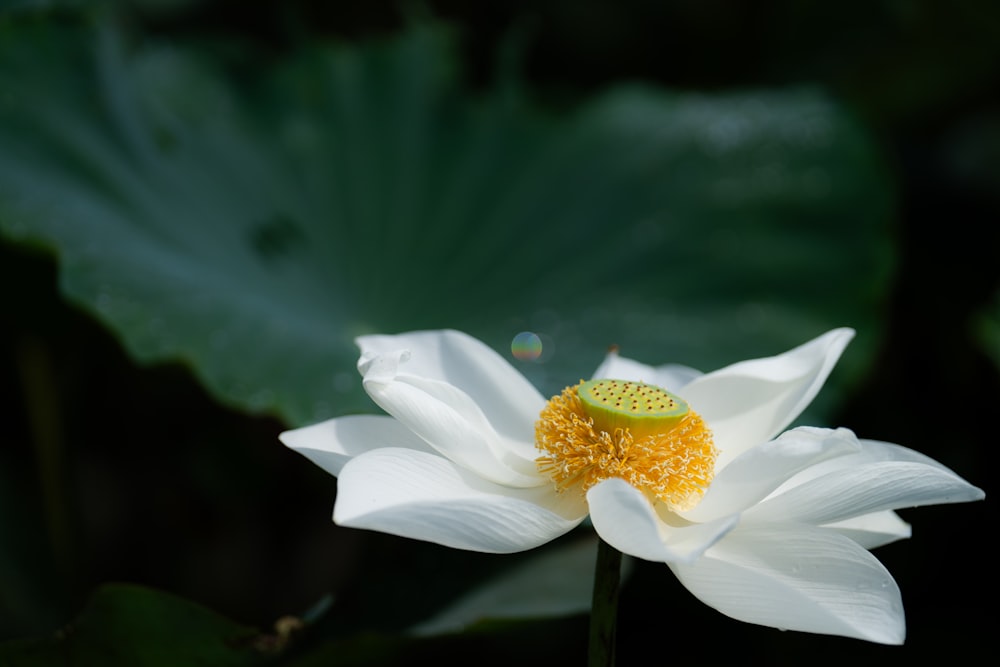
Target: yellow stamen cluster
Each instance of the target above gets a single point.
(674, 465)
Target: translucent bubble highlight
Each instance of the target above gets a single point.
(526, 346)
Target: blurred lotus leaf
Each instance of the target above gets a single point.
(559, 582)
(131, 625)
(251, 223)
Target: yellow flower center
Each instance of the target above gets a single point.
(635, 431)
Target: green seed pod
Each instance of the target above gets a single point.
(643, 409)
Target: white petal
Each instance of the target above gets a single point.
(672, 377)
(333, 443)
(759, 471)
(871, 451)
(509, 401)
(873, 530)
(798, 578)
(878, 528)
(877, 450)
(864, 489)
(625, 519)
(422, 496)
(752, 401)
(450, 421)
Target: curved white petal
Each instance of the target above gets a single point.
(873, 530)
(798, 578)
(760, 470)
(625, 519)
(425, 497)
(878, 450)
(450, 421)
(672, 377)
(750, 402)
(871, 451)
(509, 401)
(333, 443)
(864, 489)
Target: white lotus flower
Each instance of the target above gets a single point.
(766, 528)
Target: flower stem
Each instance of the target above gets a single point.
(604, 609)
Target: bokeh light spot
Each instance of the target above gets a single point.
(526, 346)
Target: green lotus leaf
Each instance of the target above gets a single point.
(124, 624)
(252, 226)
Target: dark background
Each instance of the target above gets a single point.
(148, 480)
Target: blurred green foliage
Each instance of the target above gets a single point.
(130, 625)
(124, 624)
(254, 233)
